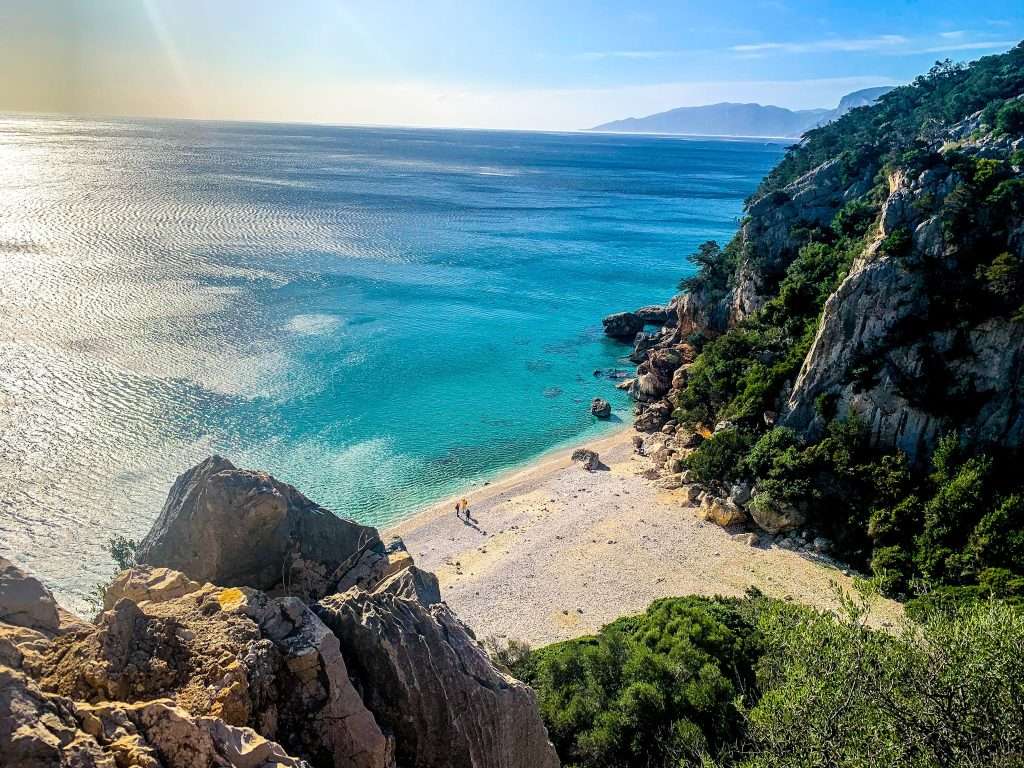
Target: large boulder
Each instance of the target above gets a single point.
(601, 408)
(623, 325)
(587, 459)
(24, 601)
(721, 512)
(773, 516)
(236, 527)
(41, 729)
(146, 584)
(428, 682)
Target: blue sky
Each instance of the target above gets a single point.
(519, 64)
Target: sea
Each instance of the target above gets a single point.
(381, 317)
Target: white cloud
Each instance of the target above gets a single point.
(980, 45)
(880, 42)
(955, 34)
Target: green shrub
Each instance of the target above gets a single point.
(897, 243)
(944, 691)
(654, 690)
(124, 551)
(1010, 118)
(759, 683)
(720, 457)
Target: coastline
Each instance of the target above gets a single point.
(556, 552)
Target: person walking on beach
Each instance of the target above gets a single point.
(458, 510)
(465, 508)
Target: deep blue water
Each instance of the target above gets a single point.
(378, 316)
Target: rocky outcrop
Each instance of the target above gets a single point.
(228, 653)
(870, 360)
(653, 314)
(24, 601)
(428, 682)
(623, 325)
(601, 408)
(145, 584)
(179, 671)
(235, 527)
(41, 729)
(587, 459)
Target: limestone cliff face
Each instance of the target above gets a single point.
(340, 652)
(892, 347)
(886, 319)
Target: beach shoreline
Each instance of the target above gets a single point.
(554, 551)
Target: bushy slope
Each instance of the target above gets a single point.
(756, 682)
(861, 340)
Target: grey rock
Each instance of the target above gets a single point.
(623, 325)
(235, 527)
(643, 342)
(24, 601)
(587, 459)
(601, 408)
(428, 682)
(740, 493)
(774, 517)
(653, 314)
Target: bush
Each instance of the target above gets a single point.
(124, 551)
(720, 457)
(760, 683)
(1010, 118)
(654, 690)
(945, 690)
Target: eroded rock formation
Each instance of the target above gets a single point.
(182, 671)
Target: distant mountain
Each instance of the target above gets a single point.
(729, 119)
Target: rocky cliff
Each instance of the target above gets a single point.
(877, 280)
(257, 629)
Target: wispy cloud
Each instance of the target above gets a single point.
(897, 45)
(978, 45)
(831, 44)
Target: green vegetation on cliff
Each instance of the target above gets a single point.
(758, 682)
(927, 190)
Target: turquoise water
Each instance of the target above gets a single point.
(377, 316)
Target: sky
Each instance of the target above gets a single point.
(524, 64)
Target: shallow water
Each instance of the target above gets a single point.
(377, 316)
